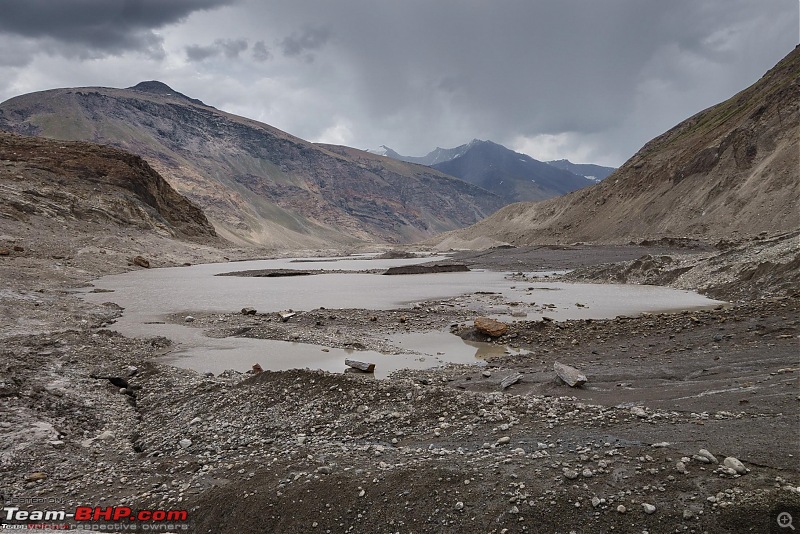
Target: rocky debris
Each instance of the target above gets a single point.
(510, 380)
(361, 366)
(141, 261)
(36, 477)
(490, 327)
(285, 316)
(706, 457)
(569, 375)
(733, 463)
(256, 369)
(248, 311)
(428, 269)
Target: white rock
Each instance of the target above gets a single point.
(705, 454)
(621, 509)
(595, 502)
(459, 505)
(185, 443)
(732, 463)
(188, 319)
(503, 440)
(638, 411)
(648, 508)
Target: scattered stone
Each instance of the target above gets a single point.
(571, 474)
(571, 376)
(587, 473)
(257, 369)
(510, 380)
(4, 252)
(680, 467)
(638, 411)
(486, 374)
(688, 514)
(188, 319)
(141, 261)
(35, 477)
(285, 316)
(361, 366)
(459, 505)
(732, 463)
(648, 508)
(490, 327)
(595, 501)
(248, 311)
(621, 509)
(185, 443)
(504, 440)
(708, 456)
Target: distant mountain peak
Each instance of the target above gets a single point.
(153, 86)
(160, 88)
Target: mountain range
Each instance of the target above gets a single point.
(511, 175)
(255, 183)
(730, 172)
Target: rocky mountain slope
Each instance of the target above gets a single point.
(76, 185)
(729, 172)
(256, 183)
(587, 170)
(512, 176)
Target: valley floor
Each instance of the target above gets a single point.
(443, 450)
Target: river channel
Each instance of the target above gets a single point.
(150, 296)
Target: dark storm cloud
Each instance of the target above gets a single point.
(98, 26)
(307, 40)
(229, 48)
(459, 69)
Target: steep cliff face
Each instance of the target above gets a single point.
(256, 183)
(80, 183)
(730, 171)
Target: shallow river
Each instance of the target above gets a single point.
(150, 295)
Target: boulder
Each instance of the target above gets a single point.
(248, 311)
(361, 366)
(490, 327)
(141, 262)
(571, 376)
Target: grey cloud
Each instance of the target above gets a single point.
(437, 73)
(260, 52)
(230, 48)
(201, 53)
(99, 26)
(305, 41)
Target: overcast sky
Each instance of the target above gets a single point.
(588, 80)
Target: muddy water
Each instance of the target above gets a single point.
(148, 296)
